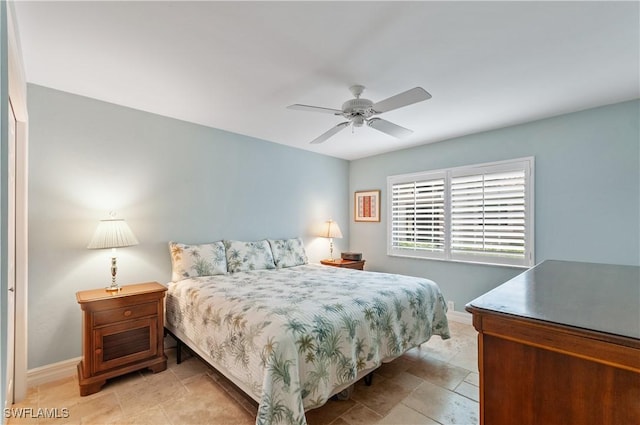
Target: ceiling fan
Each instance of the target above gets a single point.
(358, 111)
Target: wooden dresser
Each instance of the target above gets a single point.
(347, 264)
(121, 332)
(560, 344)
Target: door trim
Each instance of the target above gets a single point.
(18, 99)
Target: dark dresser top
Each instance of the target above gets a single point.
(599, 297)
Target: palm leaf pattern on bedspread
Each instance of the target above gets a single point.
(294, 336)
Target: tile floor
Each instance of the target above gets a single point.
(434, 384)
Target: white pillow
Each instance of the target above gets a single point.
(288, 252)
(197, 260)
(245, 256)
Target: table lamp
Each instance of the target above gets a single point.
(330, 230)
(112, 233)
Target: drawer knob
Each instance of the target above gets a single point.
(127, 313)
(98, 350)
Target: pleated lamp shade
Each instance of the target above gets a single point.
(331, 230)
(112, 233)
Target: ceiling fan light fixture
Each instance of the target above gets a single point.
(358, 120)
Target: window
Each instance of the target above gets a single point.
(481, 213)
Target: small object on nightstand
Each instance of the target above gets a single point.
(345, 264)
(353, 256)
(122, 331)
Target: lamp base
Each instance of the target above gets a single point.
(113, 288)
(331, 249)
(114, 269)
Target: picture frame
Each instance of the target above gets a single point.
(366, 205)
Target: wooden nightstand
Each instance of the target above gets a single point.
(347, 264)
(121, 332)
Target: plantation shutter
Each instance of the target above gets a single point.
(478, 213)
(417, 216)
(488, 214)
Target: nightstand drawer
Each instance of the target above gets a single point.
(358, 265)
(109, 317)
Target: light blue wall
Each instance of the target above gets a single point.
(587, 193)
(4, 112)
(171, 180)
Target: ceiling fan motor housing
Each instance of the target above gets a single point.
(357, 108)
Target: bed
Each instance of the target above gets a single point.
(293, 334)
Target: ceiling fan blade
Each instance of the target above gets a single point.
(299, 107)
(409, 97)
(324, 136)
(389, 128)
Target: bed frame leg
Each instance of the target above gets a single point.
(179, 345)
(368, 379)
(345, 394)
(178, 351)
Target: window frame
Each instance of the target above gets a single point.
(526, 164)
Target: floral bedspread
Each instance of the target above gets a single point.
(295, 335)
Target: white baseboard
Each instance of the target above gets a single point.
(52, 372)
(460, 316)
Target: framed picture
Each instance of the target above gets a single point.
(367, 205)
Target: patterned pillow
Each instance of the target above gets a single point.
(197, 260)
(244, 256)
(288, 252)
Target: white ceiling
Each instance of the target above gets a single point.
(237, 65)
